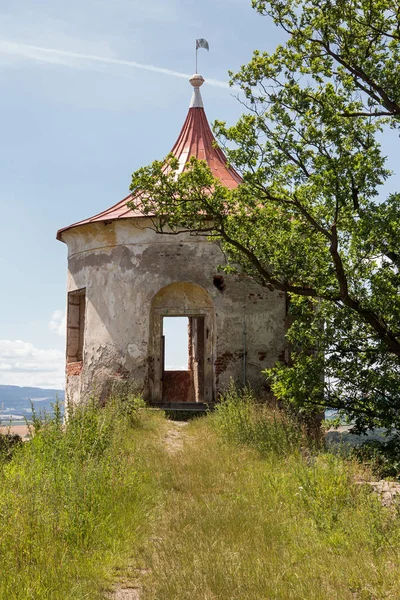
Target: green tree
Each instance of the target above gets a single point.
(309, 218)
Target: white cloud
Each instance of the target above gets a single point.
(63, 57)
(21, 363)
(57, 323)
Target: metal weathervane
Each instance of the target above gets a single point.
(201, 43)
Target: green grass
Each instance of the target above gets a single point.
(245, 509)
(247, 516)
(74, 503)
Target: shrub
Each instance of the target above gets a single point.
(9, 442)
(240, 418)
(382, 457)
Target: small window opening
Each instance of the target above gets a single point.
(75, 325)
(176, 343)
(219, 282)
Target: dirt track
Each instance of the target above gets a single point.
(21, 430)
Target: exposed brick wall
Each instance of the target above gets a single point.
(121, 374)
(74, 368)
(222, 361)
(177, 386)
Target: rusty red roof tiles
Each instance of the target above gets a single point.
(195, 139)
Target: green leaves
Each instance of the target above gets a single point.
(306, 218)
(354, 43)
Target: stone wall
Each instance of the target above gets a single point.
(123, 265)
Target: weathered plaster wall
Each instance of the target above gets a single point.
(123, 265)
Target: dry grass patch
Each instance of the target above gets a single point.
(239, 524)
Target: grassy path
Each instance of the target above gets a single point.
(232, 506)
(232, 525)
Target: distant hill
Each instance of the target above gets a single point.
(16, 401)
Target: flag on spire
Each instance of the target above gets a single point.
(201, 43)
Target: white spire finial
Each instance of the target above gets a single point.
(196, 81)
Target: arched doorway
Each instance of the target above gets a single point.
(196, 383)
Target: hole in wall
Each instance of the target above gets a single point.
(219, 283)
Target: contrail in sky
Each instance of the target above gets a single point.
(30, 52)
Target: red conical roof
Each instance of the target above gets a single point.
(195, 139)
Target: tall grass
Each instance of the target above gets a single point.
(251, 512)
(242, 419)
(74, 502)
(233, 506)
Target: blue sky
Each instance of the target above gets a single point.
(74, 128)
(78, 115)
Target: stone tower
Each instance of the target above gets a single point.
(124, 279)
